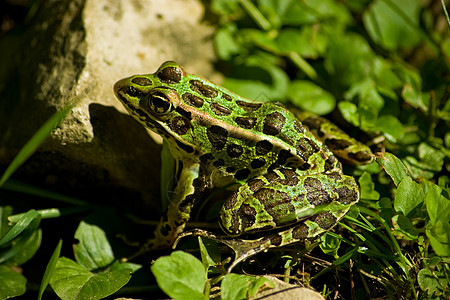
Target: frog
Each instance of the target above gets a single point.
(289, 182)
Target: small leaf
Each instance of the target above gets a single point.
(93, 250)
(12, 284)
(72, 281)
(49, 269)
(403, 228)
(349, 111)
(391, 127)
(438, 229)
(393, 166)
(209, 251)
(311, 97)
(394, 24)
(236, 286)
(180, 275)
(368, 187)
(409, 196)
(428, 282)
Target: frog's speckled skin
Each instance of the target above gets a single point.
(293, 180)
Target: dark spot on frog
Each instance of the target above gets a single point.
(283, 156)
(245, 122)
(337, 144)
(242, 174)
(192, 100)
(305, 148)
(360, 156)
(220, 110)
(347, 195)
(276, 240)
(202, 89)
(185, 147)
(263, 147)
(217, 136)
(227, 97)
(184, 113)
(332, 163)
(258, 163)
(205, 157)
(231, 201)
(278, 205)
(165, 230)
(170, 75)
(325, 220)
(248, 106)
(271, 176)
(273, 123)
(234, 150)
(313, 123)
(247, 215)
(300, 232)
(230, 169)
(142, 81)
(290, 177)
(315, 192)
(180, 125)
(255, 184)
(219, 163)
(335, 176)
(134, 92)
(298, 127)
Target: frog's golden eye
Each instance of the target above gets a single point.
(159, 103)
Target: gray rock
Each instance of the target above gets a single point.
(80, 49)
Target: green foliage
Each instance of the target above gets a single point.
(380, 69)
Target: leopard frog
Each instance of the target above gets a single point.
(292, 184)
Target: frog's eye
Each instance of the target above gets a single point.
(159, 103)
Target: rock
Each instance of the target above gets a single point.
(79, 49)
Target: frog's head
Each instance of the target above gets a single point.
(154, 100)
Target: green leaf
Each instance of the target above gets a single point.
(391, 127)
(349, 111)
(309, 96)
(409, 196)
(393, 166)
(438, 229)
(209, 251)
(224, 43)
(12, 284)
(49, 269)
(180, 275)
(236, 286)
(394, 24)
(429, 282)
(330, 244)
(257, 90)
(93, 250)
(72, 281)
(431, 157)
(349, 59)
(26, 247)
(368, 187)
(403, 228)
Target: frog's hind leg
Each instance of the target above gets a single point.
(340, 143)
(306, 205)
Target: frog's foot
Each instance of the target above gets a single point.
(243, 249)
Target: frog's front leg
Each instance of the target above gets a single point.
(190, 186)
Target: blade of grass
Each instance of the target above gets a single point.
(24, 188)
(36, 140)
(49, 269)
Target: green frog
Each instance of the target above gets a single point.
(291, 183)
